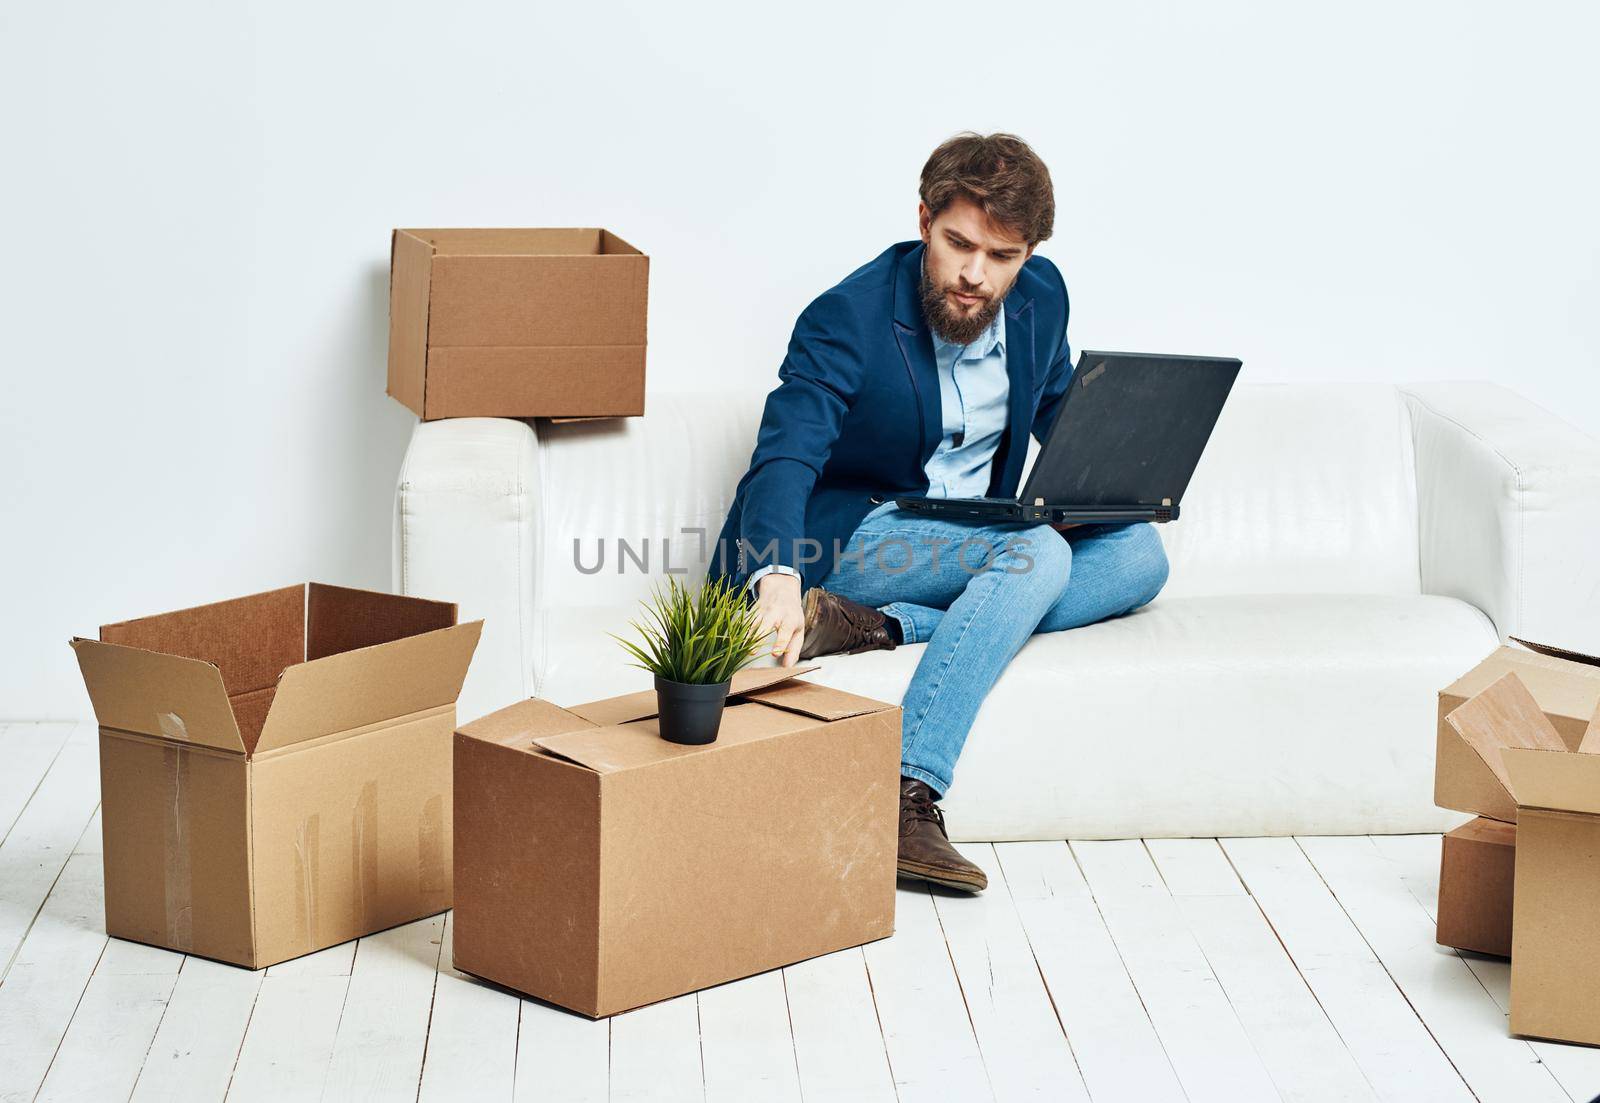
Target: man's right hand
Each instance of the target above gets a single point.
(781, 613)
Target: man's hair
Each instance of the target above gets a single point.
(998, 172)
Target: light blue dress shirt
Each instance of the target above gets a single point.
(973, 389)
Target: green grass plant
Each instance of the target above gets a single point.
(695, 636)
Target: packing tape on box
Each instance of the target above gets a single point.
(433, 865)
(433, 862)
(364, 852)
(178, 873)
(308, 868)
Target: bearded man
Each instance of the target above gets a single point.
(923, 373)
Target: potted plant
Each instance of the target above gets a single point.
(693, 641)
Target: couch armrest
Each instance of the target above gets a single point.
(465, 513)
(1508, 503)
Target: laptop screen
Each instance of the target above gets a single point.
(1130, 429)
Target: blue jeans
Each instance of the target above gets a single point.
(974, 594)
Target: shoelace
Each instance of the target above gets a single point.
(870, 643)
(861, 616)
(864, 621)
(921, 807)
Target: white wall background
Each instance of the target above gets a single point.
(198, 199)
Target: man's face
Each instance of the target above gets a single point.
(970, 266)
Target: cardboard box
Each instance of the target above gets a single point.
(1555, 969)
(1476, 869)
(517, 323)
(601, 868)
(1567, 688)
(275, 770)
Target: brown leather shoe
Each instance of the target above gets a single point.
(836, 625)
(925, 850)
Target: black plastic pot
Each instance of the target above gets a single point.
(690, 713)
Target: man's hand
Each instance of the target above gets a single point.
(782, 614)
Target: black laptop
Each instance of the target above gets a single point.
(1124, 444)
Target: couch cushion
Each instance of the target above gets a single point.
(1262, 715)
(1255, 715)
(1302, 489)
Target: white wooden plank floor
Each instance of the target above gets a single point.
(1197, 969)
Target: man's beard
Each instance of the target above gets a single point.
(950, 326)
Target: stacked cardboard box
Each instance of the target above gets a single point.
(1519, 743)
(517, 323)
(1476, 867)
(601, 868)
(1478, 858)
(275, 770)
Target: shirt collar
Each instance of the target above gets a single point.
(987, 342)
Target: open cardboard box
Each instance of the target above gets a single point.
(517, 323)
(275, 770)
(1478, 858)
(1555, 968)
(1566, 685)
(601, 868)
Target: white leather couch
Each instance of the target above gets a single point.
(1344, 552)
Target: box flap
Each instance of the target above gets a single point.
(163, 696)
(369, 685)
(249, 639)
(1503, 715)
(611, 243)
(341, 619)
(605, 750)
(753, 678)
(617, 710)
(642, 705)
(1591, 737)
(524, 721)
(1557, 780)
(1557, 652)
(1567, 690)
(818, 702)
(608, 750)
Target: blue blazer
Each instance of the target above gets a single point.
(856, 414)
